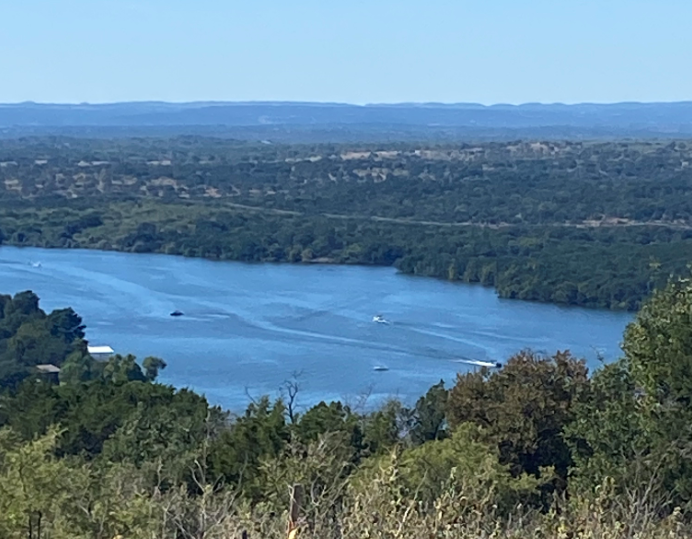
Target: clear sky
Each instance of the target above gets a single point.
(355, 51)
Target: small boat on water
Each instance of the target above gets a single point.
(36, 264)
(479, 363)
(379, 319)
(380, 368)
(176, 313)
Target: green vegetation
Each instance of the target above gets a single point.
(29, 337)
(593, 224)
(536, 449)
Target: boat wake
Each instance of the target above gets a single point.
(479, 363)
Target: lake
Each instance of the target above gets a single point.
(248, 328)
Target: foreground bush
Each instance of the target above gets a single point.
(41, 496)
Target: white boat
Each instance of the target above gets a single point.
(479, 363)
(381, 368)
(379, 319)
(36, 264)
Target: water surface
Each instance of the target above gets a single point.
(248, 328)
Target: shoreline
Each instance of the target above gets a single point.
(324, 261)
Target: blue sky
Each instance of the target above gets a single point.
(484, 51)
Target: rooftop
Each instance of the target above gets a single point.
(48, 368)
(100, 349)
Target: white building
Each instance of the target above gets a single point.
(100, 353)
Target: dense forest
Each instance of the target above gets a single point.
(593, 224)
(539, 448)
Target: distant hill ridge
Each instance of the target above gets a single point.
(296, 120)
(287, 113)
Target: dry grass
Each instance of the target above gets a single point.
(376, 515)
(336, 509)
(54, 501)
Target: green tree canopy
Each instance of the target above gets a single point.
(523, 408)
(638, 424)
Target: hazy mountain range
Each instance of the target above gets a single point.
(333, 121)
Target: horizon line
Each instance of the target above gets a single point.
(338, 103)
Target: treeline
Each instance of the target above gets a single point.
(596, 267)
(536, 449)
(591, 224)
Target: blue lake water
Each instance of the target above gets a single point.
(248, 328)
